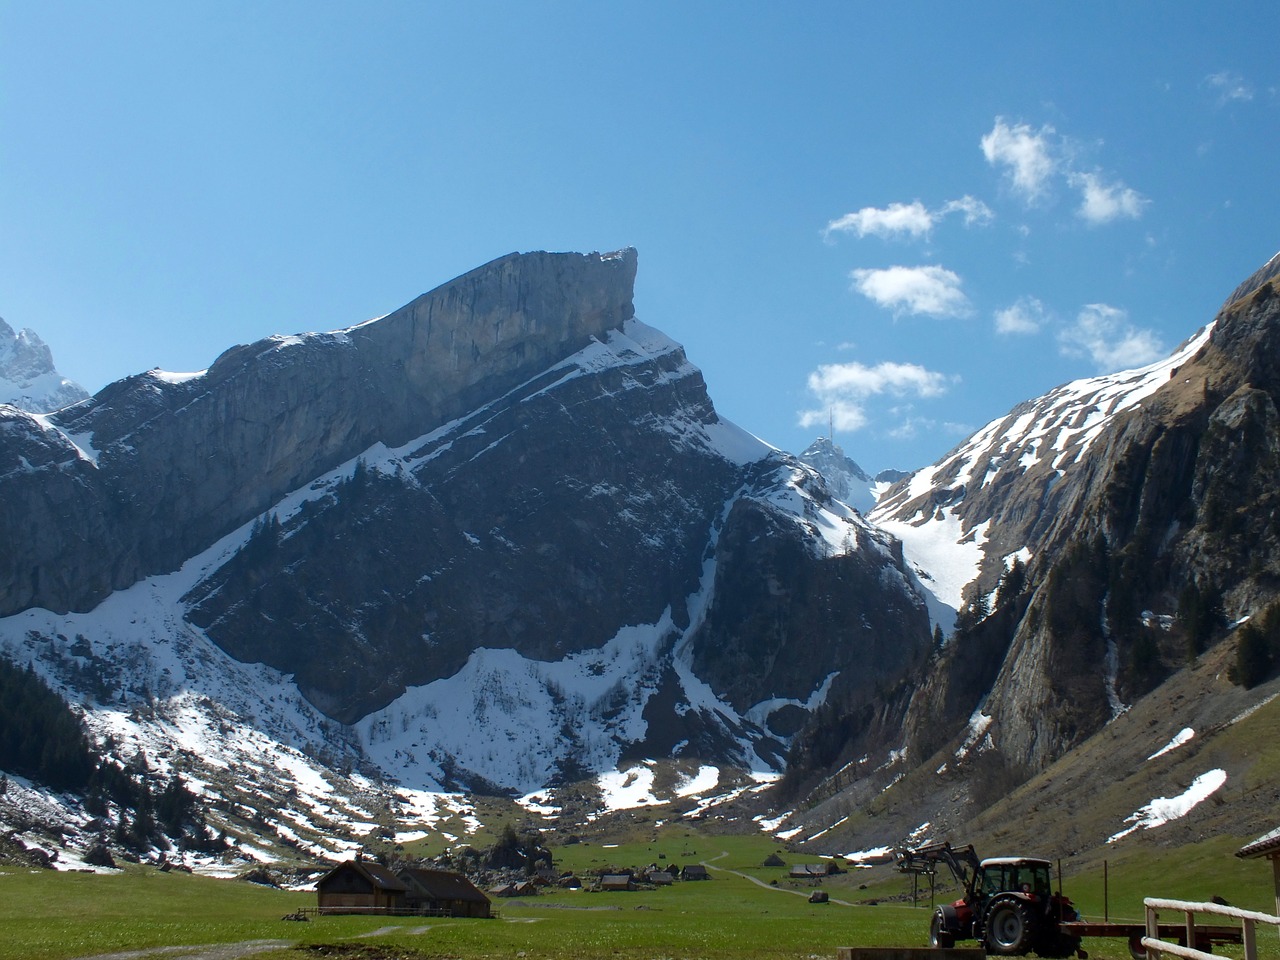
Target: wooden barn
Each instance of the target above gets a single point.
(444, 891)
(359, 886)
(813, 871)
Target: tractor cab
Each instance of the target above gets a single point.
(1014, 875)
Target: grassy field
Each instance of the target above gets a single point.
(53, 916)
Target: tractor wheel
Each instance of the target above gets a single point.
(1010, 928)
(939, 935)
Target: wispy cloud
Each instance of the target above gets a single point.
(976, 213)
(1229, 86)
(909, 220)
(1104, 334)
(1034, 160)
(842, 390)
(1025, 316)
(1103, 202)
(1026, 155)
(895, 220)
(912, 427)
(931, 291)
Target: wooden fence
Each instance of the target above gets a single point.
(1249, 920)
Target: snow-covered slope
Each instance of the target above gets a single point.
(944, 514)
(28, 379)
(498, 540)
(154, 681)
(845, 479)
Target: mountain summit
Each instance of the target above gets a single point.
(28, 379)
(496, 539)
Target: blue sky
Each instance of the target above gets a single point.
(910, 216)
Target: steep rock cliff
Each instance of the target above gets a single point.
(154, 468)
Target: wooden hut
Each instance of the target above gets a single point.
(813, 871)
(1268, 845)
(695, 871)
(616, 881)
(359, 886)
(444, 891)
(773, 860)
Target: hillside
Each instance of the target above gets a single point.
(496, 557)
(498, 541)
(1111, 550)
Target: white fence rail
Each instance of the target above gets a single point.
(1249, 920)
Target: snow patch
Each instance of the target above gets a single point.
(1164, 809)
(1182, 736)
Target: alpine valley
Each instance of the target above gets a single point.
(353, 589)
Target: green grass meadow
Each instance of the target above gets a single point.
(54, 916)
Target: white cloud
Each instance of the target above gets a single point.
(843, 415)
(932, 291)
(1035, 159)
(976, 213)
(1026, 154)
(912, 427)
(913, 220)
(897, 219)
(1027, 315)
(1103, 333)
(842, 389)
(1103, 202)
(1229, 86)
(856, 379)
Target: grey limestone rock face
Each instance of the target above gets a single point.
(508, 463)
(175, 465)
(1172, 506)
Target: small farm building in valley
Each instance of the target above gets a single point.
(443, 890)
(359, 886)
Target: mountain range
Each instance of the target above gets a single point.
(499, 541)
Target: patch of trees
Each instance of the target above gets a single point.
(1257, 649)
(42, 739)
(149, 811)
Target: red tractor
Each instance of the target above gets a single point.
(1008, 905)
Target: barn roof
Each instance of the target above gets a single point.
(378, 875)
(442, 884)
(810, 869)
(1266, 845)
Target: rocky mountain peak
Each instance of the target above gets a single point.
(846, 480)
(218, 448)
(28, 379)
(497, 538)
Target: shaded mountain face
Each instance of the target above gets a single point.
(1137, 510)
(28, 379)
(497, 538)
(154, 468)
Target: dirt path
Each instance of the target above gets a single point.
(709, 864)
(207, 951)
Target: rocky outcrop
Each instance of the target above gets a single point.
(164, 465)
(1145, 503)
(542, 522)
(498, 537)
